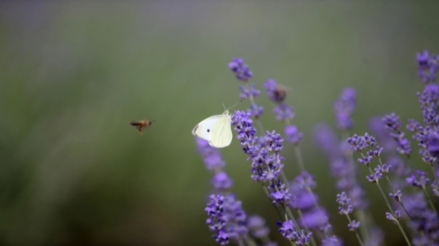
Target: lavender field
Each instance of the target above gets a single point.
(335, 138)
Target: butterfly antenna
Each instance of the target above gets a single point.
(235, 104)
(223, 105)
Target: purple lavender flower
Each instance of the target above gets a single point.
(302, 196)
(344, 201)
(413, 179)
(280, 197)
(274, 142)
(427, 66)
(357, 143)
(257, 227)
(211, 156)
(255, 110)
(382, 134)
(412, 125)
(302, 199)
(433, 143)
(353, 225)
(374, 177)
(365, 160)
(315, 219)
(292, 134)
(245, 129)
(250, 92)
(283, 112)
(375, 152)
(391, 217)
(396, 196)
(221, 181)
(216, 220)
(241, 70)
(344, 107)
(266, 165)
(332, 241)
(288, 230)
(327, 140)
(341, 168)
(391, 121)
(304, 181)
(235, 218)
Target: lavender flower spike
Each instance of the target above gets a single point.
(344, 107)
(241, 70)
(288, 230)
(216, 220)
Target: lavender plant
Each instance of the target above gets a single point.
(407, 191)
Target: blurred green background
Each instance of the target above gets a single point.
(72, 75)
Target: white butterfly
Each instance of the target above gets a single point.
(216, 130)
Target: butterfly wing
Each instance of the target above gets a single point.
(221, 135)
(205, 127)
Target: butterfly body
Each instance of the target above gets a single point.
(216, 130)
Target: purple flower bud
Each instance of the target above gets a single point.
(287, 230)
(280, 197)
(427, 66)
(212, 157)
(365, 160)
(357, 143)
(257, 227)
(375, 152)
(397, 214)
(214, 209)
(414, 181)
(221, 237)
(283, 112)
(412, 125)
(391, 217)
(255, 110)
(396, 196)
(292, 134)
(343, 199)
(222, 181)
(303, 238)
(392, 121)
(353, 225)
(304, 181)
(370, 140)
(240, 69)
(344, 107)
(315, 219)
(274, 142)
(374, 177)
(332, 241)
(433, 143)
(251, 92)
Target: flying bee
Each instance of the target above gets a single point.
(280, 92)
(141, 124)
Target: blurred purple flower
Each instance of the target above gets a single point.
(292, 134)
(283, 112)
(250, 92)
(241, 70)
(221, 181)
(344, 107)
